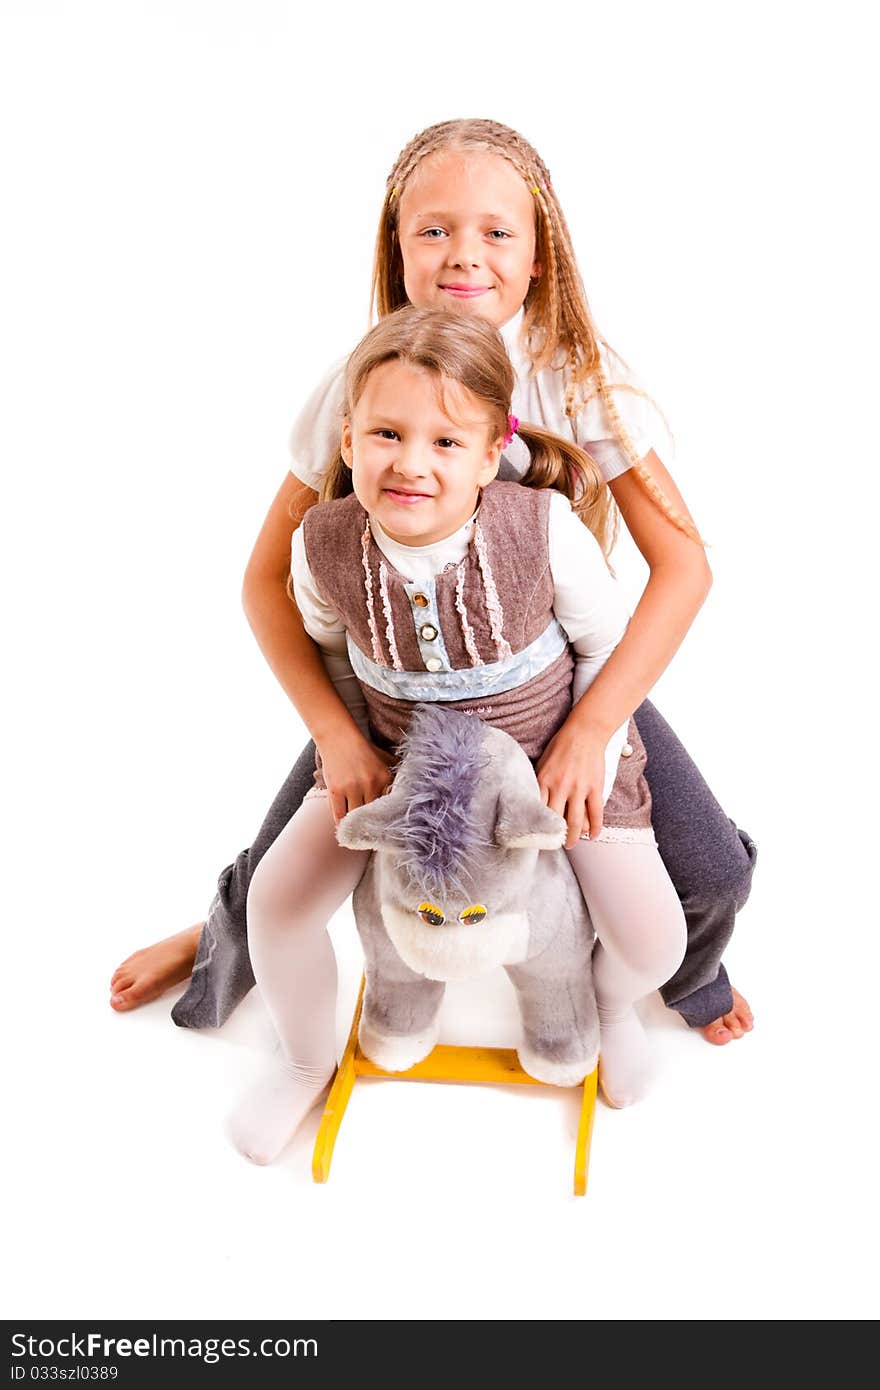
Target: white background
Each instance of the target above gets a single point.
(191, 191)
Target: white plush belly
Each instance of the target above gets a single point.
(456, 952)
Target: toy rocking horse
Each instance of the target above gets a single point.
(467, 874)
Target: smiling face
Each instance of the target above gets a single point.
(466, 226)
(419, 447)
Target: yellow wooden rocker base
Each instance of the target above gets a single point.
(488, 1065)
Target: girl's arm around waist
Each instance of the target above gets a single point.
(355, 770)
(276, 622)
(572, 770)
(679, 580)
(324, 625)
(576, 774)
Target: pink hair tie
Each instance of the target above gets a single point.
(512, 427)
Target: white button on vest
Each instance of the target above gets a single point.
(433, 663)
(428, 632)
(626, 750)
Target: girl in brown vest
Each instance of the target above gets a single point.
(421, 578)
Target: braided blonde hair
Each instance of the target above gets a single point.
(455, 347)
(558, 329)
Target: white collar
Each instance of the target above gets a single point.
(460, 537)
(510, 332)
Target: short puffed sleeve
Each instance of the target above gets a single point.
(315, 436)
(639, 414)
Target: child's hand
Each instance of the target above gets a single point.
(355, 771)
(571, 775)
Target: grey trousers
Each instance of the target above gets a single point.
(708, 859)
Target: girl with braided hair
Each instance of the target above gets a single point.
(470, 220)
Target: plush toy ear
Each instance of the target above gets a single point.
(524, 823)
(367, 826)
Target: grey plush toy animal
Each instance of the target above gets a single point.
(468, 874)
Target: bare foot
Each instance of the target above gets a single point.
(148, 973)
(729, 1026)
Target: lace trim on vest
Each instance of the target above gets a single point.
(466, 629)
(368, 586)
(389, 620)
(493, 603)
(619, 834)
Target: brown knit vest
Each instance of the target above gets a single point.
(489, 607)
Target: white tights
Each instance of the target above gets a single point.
(642, 939)
(306, 876)
(297, 886)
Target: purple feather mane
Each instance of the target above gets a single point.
(438, 832)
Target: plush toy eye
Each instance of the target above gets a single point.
(472, 915)
(431, 914)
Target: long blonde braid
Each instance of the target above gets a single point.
(558, 329)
